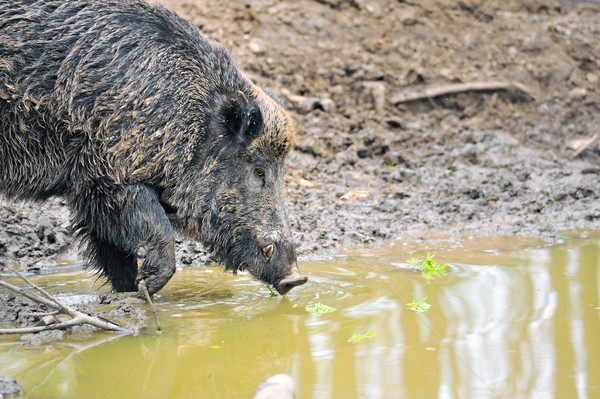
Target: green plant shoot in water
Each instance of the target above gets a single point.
(356, 338)
(419, 307)
(271, 292)
(430, 269)
(319, 309)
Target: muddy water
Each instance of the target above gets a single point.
(513, 317)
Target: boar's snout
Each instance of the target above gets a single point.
(290, 282)
(293, 279)
(280, 268)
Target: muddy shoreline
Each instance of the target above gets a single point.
(369, 166)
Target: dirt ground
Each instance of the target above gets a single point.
(370, 163)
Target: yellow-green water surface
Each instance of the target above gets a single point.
(513, 318)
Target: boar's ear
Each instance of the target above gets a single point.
(243, 118)
(274, 97)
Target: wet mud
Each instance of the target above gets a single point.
(9, 387)
(372, 161)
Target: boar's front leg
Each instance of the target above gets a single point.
(118, 266)
(134, 224)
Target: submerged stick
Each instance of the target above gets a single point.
(142, 285)
(78, 318)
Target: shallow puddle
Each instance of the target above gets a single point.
(513, 318)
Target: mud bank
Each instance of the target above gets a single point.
(370, 163)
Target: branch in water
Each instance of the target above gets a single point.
(78, 318)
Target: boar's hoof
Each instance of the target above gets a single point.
(287, 284)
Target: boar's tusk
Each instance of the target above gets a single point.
(268, 251)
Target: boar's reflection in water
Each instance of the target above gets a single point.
(145, 127)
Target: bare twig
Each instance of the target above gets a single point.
(78, 318)
(65, 309)
(30, 330)
(432, 92)
(30, 295)
(142, 285)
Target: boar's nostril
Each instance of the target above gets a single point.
(268, 251)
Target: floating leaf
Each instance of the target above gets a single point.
(419, 307)
(319, 309)
(430, 269)
(356, 338)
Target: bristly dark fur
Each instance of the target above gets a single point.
(137, 119)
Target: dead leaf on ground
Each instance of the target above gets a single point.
(355, 195)
(576, 144)
(306, 183)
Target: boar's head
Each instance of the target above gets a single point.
(231, 198)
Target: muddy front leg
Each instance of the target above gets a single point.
(151, 236)
(130, 224)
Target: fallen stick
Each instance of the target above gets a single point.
(31, 330)
(59, 306)
(78, 318)
(457, 88)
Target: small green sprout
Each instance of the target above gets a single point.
(320, 309)
(215, 347)
(391, 167)
(430, 269)
(419, 307)
(447, 172)
(414, 260)
(356, 338)
(271, 292)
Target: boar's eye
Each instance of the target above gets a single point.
(260, 173)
